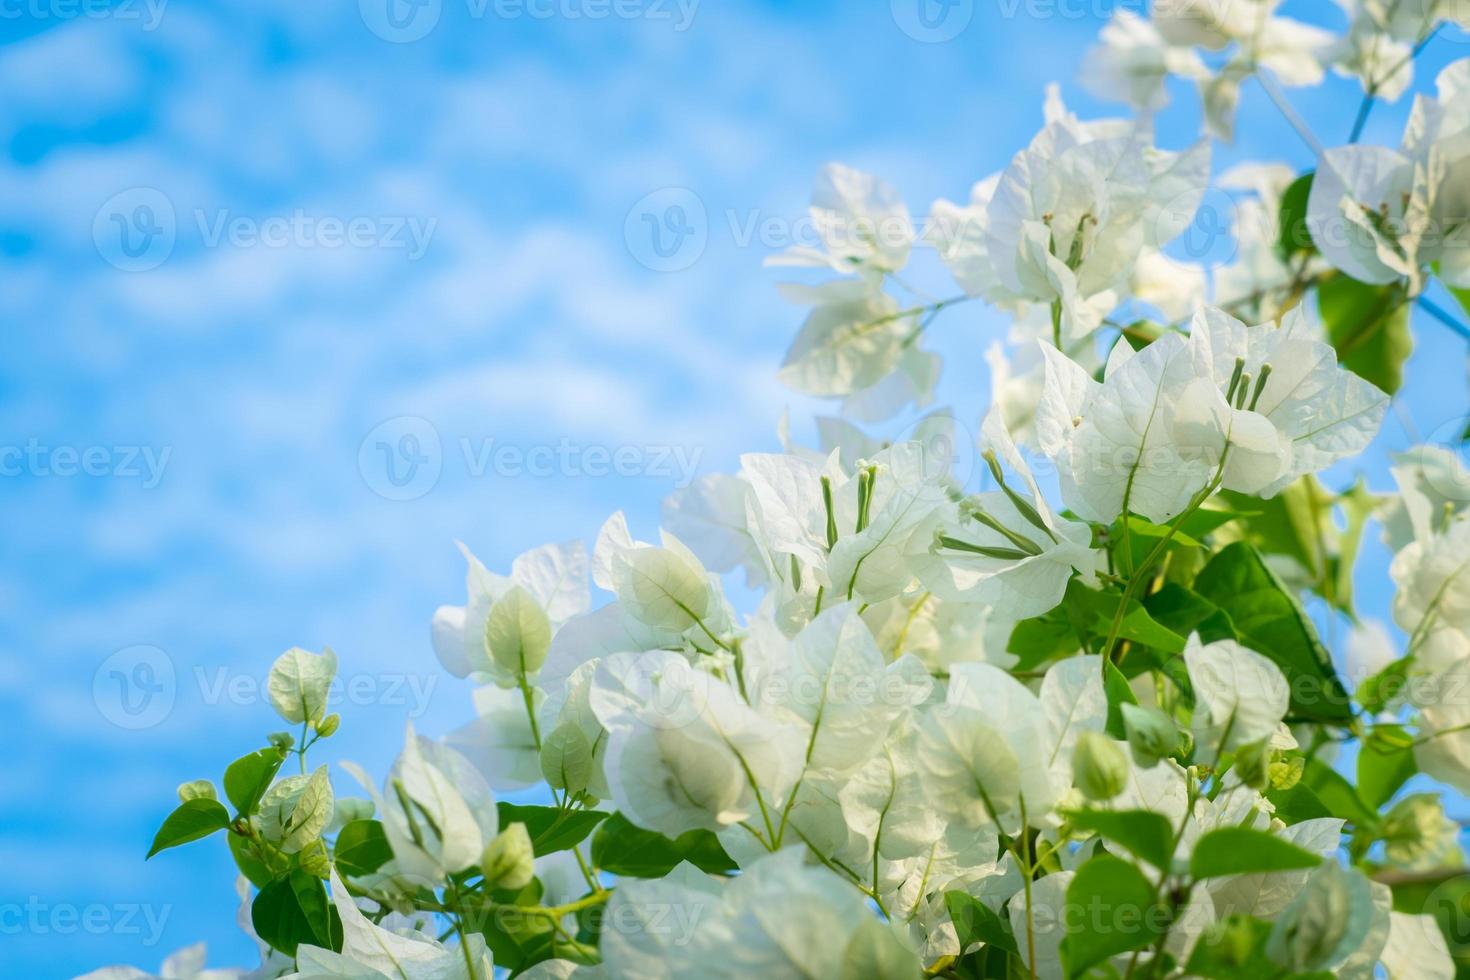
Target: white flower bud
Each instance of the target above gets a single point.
(1099, 765)
(1326, 921)
(198, 789)
(1151, 734)
(509, 861)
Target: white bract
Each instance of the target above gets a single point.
(1240, 697)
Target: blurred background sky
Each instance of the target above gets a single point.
(278, 280)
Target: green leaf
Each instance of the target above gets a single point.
(1239, 851)
(248, 777)
(623, 849)
(975, 923)
(1369, 327)
(1383, 767)
(361, 848)
(551, 829)
(1137, 526)
(1297, 804)
(293, 910)
(1093, 611)
(1337, 794)
(1357, 505)
(1270, 621)
(1185, 611)
(1146, 834)
(1377, 692)
(1463, 295)
(193, 820)
(1042, 639)
(1109, 910)
(1293, 237)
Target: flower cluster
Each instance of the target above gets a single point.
(974, 725)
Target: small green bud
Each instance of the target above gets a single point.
(1287, 772)
(282, 741)
(198, 789)
(1253, 764)
(328, 725)
(1151, 735)
(509, 860)
(315, 860)
(1099, 766)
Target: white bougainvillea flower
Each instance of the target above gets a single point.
(1326, 921)
(436, 809)
(1258, 271)
(1442, 749)
(1265, 895)
(1240, 697)
(821, 526)
(1369, 51)
(985, 753)
(1382, 215)
(1018, 374)
(1074, 209)
(760, 923)
(1174, 288)
(1416, 949)
(1291, 51)
(861, 221)
(957, 232)
(1004, 548)
(834, 681)
(1434, 487)
(370, 951)
(1133, 61)
(555, 575)
(1432, 601)
(1278, 397)
(709, 516)
(853, 338)
(664, 591)
(1116, 443)
(684, 751)
(184, 964)
(500, 741)
(1039, 923)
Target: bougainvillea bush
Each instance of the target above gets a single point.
(976, 726)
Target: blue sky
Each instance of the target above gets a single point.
(249, 260)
